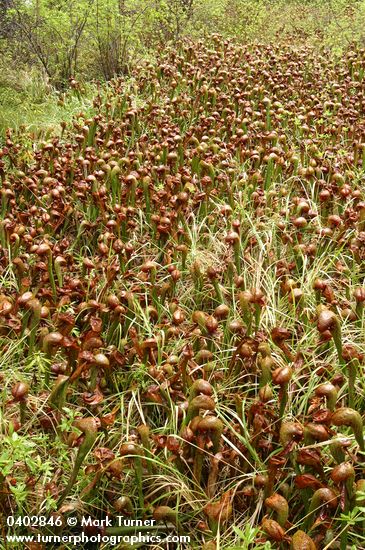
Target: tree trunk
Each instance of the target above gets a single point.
(121, 5)
(5, 26)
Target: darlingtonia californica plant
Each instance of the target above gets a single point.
(182, 281)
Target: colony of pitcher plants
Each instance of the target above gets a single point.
(182, 302)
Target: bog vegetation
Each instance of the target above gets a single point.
(182, 294)
(44, 43)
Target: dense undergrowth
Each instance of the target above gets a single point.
(38, 109)
(182, 294)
